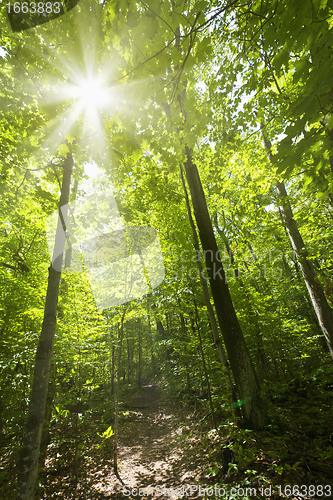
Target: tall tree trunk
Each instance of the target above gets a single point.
(240, 362)
(128, 362)
(112, 371)
(204, 286)
(151, 340)
(184, 354)
(115, 443)
(160, 328)
(51, 391)
(45, 439)
(253, 315)
(140, 355)
(77, 423)
(322, 309)
(28, 464)
(203, 360)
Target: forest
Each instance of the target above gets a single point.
(166, 249)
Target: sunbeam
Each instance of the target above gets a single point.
(80, 92)
(91, 93)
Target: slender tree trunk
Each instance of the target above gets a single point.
(76, 426)
(188, 380)
(151, 340)
(184, 350)
(28, 465)
(115, 443)
(51, 391)
(304, 299)
(253, 315)
(160, 328)
(322, 309)
(45, 439)
(112, 371)
(140, 356)
(128, 362)
(204, 286)
(240, 362)
(203, 361)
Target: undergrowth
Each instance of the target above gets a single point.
(291, 458)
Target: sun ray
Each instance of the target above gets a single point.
(77, 90)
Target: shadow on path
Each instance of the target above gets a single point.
(153, 455)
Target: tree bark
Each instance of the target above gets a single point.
(45, 439)
(140, 356)
(210, 310)
(128, 362)
(203, 361)
(240, 362)
(28, 464)
(115, 443)
(112, 371)
(51, 391)
(253, 315)
(321, 307)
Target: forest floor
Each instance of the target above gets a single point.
(156, 456)
(167, 450)
(152, 453)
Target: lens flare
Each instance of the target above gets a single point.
(240, 403)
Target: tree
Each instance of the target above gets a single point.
(115, 443)
(243, 371)
(204, 286)
(31, 447)
(322, 309)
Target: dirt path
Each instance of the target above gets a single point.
(152, 454)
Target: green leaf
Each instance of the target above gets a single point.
(107, 434)
(302, 107)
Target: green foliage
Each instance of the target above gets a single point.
(201, 75)
(107, 434)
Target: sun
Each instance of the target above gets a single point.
(92, 93)
(82, 95)
(90, 97)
